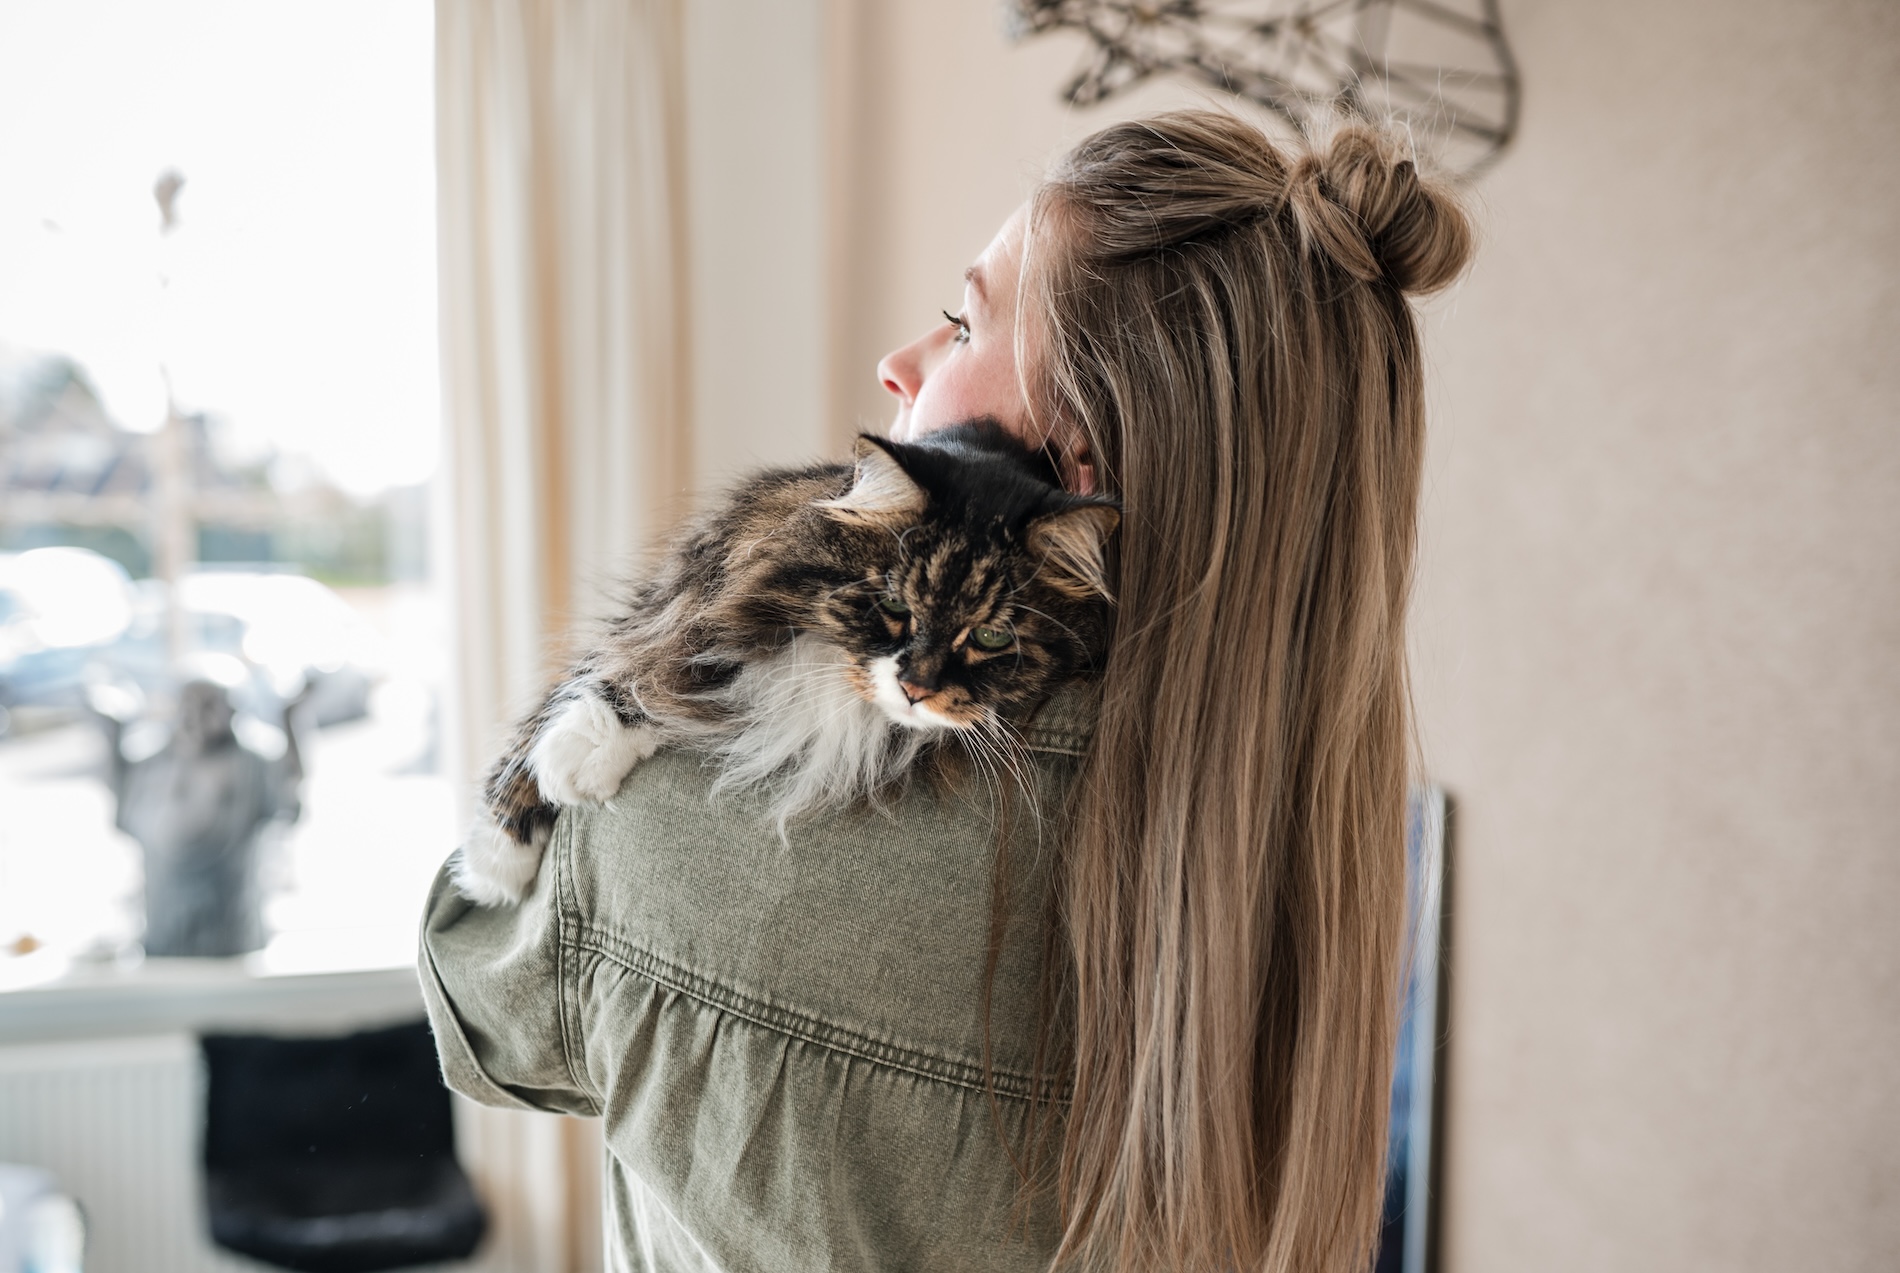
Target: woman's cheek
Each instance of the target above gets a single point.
(965, 390)
(939, 403)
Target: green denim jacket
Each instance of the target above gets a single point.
(785, 1043)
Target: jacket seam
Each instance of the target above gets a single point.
(797, 1025)
(1055, 744)
(567, 915)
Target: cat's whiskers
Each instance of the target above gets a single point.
(1011, 751)
(997, 745)
(979, 750)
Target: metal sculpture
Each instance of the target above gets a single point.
(1438, 68)
(197, 807)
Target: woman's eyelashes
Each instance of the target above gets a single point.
(962, 325)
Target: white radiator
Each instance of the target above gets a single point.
(119, 1120)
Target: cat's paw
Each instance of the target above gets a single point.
(495, 869)
(584, 753)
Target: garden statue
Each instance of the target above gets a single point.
(197, 807)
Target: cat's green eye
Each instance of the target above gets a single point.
(991, 638)
(891, 605)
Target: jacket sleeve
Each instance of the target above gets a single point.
(500, 997)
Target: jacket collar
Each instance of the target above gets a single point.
(1065, 722)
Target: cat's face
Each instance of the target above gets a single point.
(981, 587)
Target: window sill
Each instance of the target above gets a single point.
(306, 982)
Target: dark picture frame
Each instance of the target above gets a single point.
(1409, 1240)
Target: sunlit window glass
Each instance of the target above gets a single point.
(222, 657)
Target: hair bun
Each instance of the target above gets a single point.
(1361, 199)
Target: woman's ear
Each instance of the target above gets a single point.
(1075, 461)
(1075, 543)
(882, 494)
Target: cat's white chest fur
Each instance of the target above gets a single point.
(798, 727)
(803, 732)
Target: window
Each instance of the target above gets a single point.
(219, 427)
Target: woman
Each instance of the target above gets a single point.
(1175, 1051)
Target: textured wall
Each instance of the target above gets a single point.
(1659, 647)
(1658, 635)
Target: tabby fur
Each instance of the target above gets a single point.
(816, 634)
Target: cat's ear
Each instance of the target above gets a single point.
(882, 494)
(1074, 543)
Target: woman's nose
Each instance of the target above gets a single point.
(902, 371)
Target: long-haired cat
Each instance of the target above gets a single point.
(817, 633)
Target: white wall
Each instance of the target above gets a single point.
(755, 196)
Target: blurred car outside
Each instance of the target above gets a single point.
(72, 625)
(298, 637)
(61, 610)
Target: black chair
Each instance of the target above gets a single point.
(334, 1155)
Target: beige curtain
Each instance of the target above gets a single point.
(565, 371)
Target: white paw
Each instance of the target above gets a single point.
(584, 753)
(493, 869)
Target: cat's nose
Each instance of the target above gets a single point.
(913, 692)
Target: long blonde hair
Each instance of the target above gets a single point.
(1224, 321)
